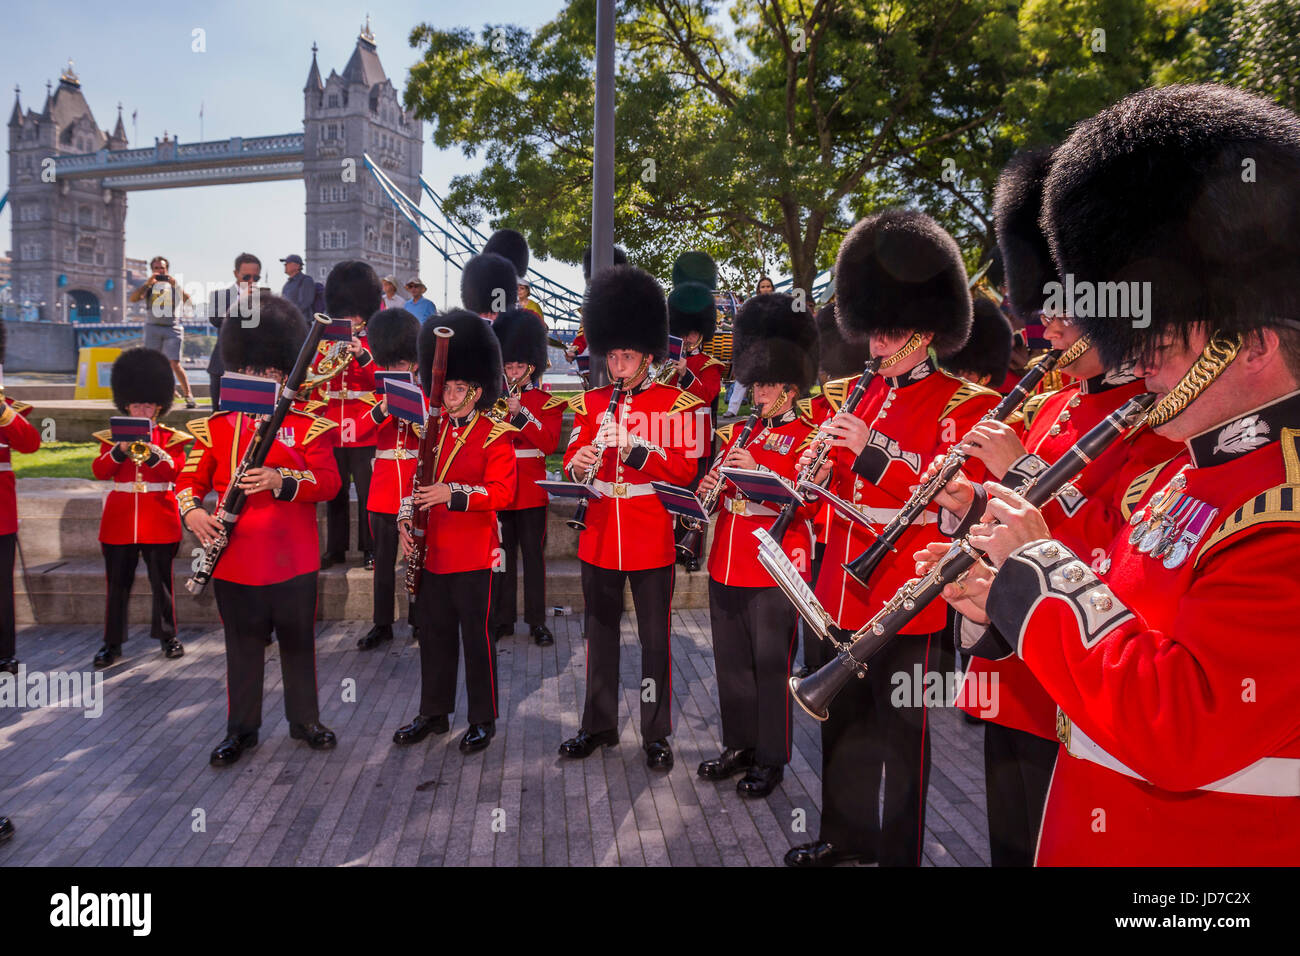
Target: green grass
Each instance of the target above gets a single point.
(57, 459)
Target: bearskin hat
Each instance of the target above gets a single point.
(512, 245)
(1193, 189)
(391, 335)
(997, 273)
(620, 259)
(143, 375)
(1017, 203)
(988, 350)
(775, 342)
(899, 272)
(691, 309)
(695, 267)
(625, 309)
(353, 288)
(523, 339)
(273, 341)
(487, 281)
(473, 354)
(836, 357)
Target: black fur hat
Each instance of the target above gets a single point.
(273, 341)
(997, 273)
(1193, 189)
(695, 267)
(473, 355)
(691, 309)
(353, 288)
(523, 339)
(1017, 203)
(837, 358)
(775, 342)
(391, 335)
(620, 259)
(143, 375)
(512, 245)
(625, 309)
(899, 272)
(988, 350)
(487, 281)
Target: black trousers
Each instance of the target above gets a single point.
(383, 532)
(1017, 771)
(816, 652)
(250, 614)
(8, 634)
(120, 562)
(522, 531)
(355, 464)
(652, 595)
(453, 611)
(867, 733)
(753, 644)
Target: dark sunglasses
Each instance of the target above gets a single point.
(250, 278)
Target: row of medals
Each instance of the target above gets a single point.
(1158, 533)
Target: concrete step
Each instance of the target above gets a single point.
(73, 592)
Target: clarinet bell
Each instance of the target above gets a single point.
(579, 520)
(864, 565)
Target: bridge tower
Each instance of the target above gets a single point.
(74, 229)
(348, 216)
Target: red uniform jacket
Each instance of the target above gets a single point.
(1085, 519)
(628, 529)
(579, 343)
(141, 506)
(275, 537)
(539, 420)
(397, 444)
(476, 458)
(702, 378)
(914, 417)
(347, 398)
(733, 558)
(16, 432)
(817, 410)
(1176, 669)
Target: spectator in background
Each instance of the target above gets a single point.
(526, 301)
(300, 289)
(419, 306)
(391, 299)
(162, 325)
(235, 302)
(765, 285)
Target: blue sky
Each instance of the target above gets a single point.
(249, 82)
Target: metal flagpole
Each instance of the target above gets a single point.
(602, 180)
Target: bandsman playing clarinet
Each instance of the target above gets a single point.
(1179, 741)
(140, 519)
(627, 439)
(265, 582)
(901, 283)
(392, 336)
(475, 471)
(16, 435)
(538, 417)
(754, 626)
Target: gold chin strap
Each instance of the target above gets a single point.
(1074, 352)
(470, 398)
(908, 348)
(1214, 358)
(635, 376)
(780, 405)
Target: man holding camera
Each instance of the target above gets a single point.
(162, 325)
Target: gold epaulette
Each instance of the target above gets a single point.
(22, 408)
(1138, 488)
(199, 429)
(1279, 504)
(552, 401)
(106, 436)
(804, 407)
(1032, 406)
(724, 431)
(965, 392)
(319, 426)
(836, 391)
(177, 437)
(712, 361)
(311, 408)
(685, 401)
(579, 403)
(807, 440)
(498, 429)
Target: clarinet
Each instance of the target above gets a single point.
(815, 692)
(232, 502)
(426, 461)
(783, 520)
(864, 565)
(695, 529)
(579, 520)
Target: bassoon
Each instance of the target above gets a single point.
(426, 459)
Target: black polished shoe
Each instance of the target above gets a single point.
(420, 728)
(368, 560)
(542, 635)
(503, 630)
(172, 648)
(820, 854)
(760, 781)
(318, 736)
(6, 830)
(728, 765)
(477, 737)
(375, 636)
(658, 755)
(331, 558)
(228, 750)
(9, 664)
(585, 744)
(107, 655)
